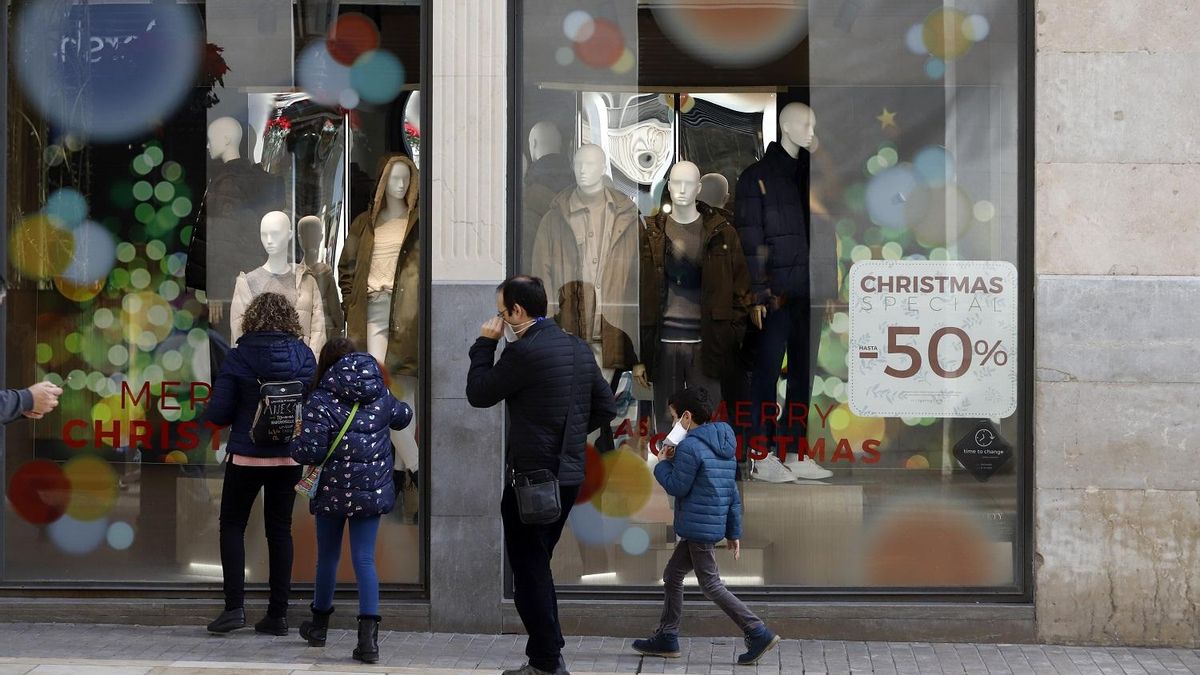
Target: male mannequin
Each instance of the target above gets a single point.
(549, 174)
(771, 212)
(379, 275)
(312, 239)
(714, 190)
(586, 252)
(224, 237)
(695, 294)
(280, 275)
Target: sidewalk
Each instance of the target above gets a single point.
(77, 649)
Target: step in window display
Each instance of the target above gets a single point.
(169, 162)
(699, 182)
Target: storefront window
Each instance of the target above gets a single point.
(809, 209)
(152, 148)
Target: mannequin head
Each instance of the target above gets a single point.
(275, 232)
(312, 238)
(544, 139)
(714, 190)
(398, 178)
(590, 166)
(224, 139)
(684, 185)
(797, 126)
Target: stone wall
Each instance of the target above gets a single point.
(1118, 352)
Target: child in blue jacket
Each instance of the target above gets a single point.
(700, 472)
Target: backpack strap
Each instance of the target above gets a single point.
(341, 434)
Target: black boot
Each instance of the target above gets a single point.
(315, 631)
(272, 625)
(230, 620)
(367, 650)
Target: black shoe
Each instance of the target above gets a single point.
(661, 644)
(530, 670)
(756, 646)
(230, 620)
(272, 625)
(315, 631)
(367, 650)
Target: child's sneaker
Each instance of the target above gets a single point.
(757, 645)
(659, 644)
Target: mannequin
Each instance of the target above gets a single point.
(280, 275)
(549, 174)
(772, 215)
(714, 190)
(586, 252)
(379, 276)
(223, 237)
(312, 239)
(695, 295)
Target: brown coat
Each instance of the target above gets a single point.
(556, 259)
(724, 290)
(354, 267)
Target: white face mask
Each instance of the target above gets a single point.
(510, 333)
(678, 433)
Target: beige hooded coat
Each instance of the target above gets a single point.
(354, 267)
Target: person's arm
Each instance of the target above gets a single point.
(222, 405)
(678, 473)
(237, 308)
(604, 406)
(308, 366)
(316, 326)
(733, 523)
(489, 383)
(311, 446)
(741, 285)
(748, 217)
(14, 403)
(402, 414)
(348, 263)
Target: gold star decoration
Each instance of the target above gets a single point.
(887, 119)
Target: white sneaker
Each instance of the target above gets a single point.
(771, 470)
(807, 469)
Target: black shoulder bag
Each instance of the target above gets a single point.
(538, 497)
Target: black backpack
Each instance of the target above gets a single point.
(277, 419)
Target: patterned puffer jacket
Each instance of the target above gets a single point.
(357, 479)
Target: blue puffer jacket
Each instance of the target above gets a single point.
(357, 479)
(258, 357)
(703, 479)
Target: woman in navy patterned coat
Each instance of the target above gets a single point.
(356, 482)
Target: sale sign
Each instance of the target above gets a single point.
(933, 338)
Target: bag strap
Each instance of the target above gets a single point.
(341, 434)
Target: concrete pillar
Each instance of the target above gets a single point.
(1117, 435)
(467, 234)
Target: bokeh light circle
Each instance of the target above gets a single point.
(635, 541)
(895, 197)
(38, 491)
(934, 165)
(120, 535)
(67, 206)
(39, 248)
(733, 36)
(593, 528)
(351, 36)
(943, 34)
(93, 487)
(579, 26)
(94, 252)
(77, 537)
(605, 46)
(564, 56)
(914, 40)
(593, 475)
(78, 292)
(319, 74)
(976, 28)
(126, 88)
(935, 69)
(627, 484)
(377, 76)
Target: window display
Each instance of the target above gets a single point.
(763, 154)
(154, 195)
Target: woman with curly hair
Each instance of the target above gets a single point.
(270, 350)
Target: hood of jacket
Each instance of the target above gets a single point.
(410, 195)
(356, 378)
(718, 437)
(272, 355)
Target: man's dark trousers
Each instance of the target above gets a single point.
(530, 548)
(786, 330)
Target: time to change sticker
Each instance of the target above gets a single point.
(933, 338)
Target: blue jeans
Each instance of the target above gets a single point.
(362, 553)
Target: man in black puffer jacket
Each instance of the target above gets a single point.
(556, 396)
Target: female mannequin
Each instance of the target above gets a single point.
(280, 275)
(379, 274)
